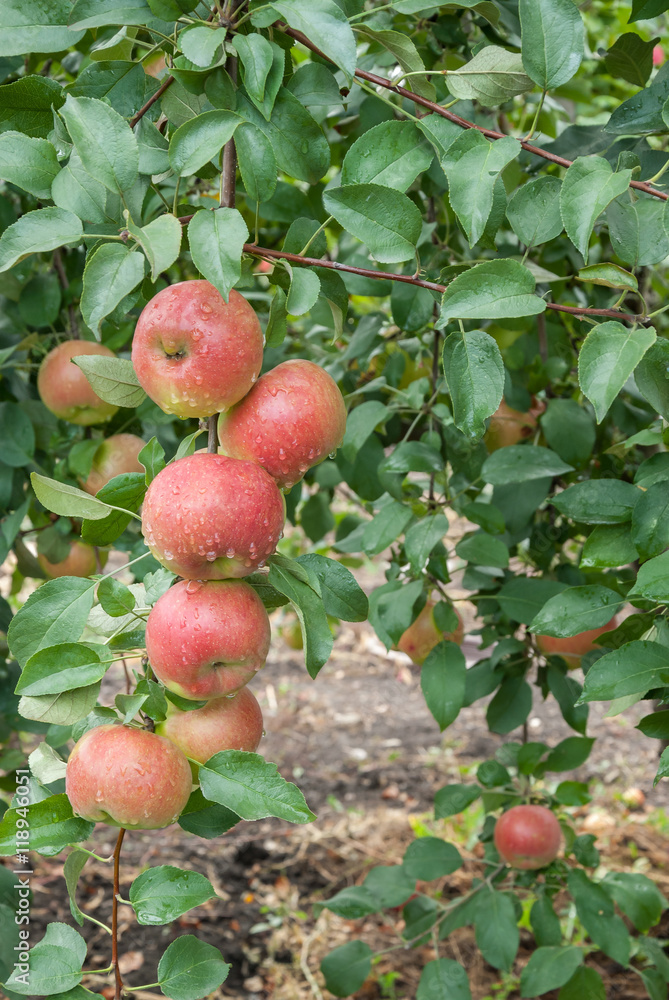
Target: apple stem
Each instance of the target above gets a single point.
(212, 440)
(117, 864)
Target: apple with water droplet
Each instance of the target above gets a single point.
(230, 723)
(208, 517)
(291, 420)
(127, 777)
(115, 456)
(424, 634)
(207, 640)
(528, 837)
(65, 390)
(195, 354)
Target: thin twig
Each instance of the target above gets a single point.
(117, 885)
(151, 101)
(381, 81)
(59, 268)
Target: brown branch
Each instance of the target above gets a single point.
(381, 81)
(151, 101)
(117, 885)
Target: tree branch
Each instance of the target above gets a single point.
(381, 81)
(117, 883)
(151, 101)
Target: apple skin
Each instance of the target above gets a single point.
(80, 561)
(423, 635)
(528, 837)
(223, 724)
(292, 418)
(193, 354)
(127, 777)
(115, 456)
(208, 517)
(573, 648)
(658, 55)
(508, 426)
(206, 640)
(65, 390)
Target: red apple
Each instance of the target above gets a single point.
(194, 354)
(65, 390)
(208, 517)
(574, 647)
(423, 635)
(528, 837)
(658, 55)
(127, 777)
(80, 561)
(206, 640)
(223, 724)
(293, 418)
(508, 426)
(116, 455)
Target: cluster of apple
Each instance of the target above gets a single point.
(211, 518)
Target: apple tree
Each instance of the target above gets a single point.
(222, 225)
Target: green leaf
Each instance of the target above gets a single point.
(549, 968)
(422, 537)
(299, 145)
(655, 725)
(497, 289)
(354, 902)
(315, 85)
(406, 53)
(201, 139)
(18, 435)
(111, 273)
(46, 765)
(453, 799)
(190, 969)
(638, 231)
(442, 680)
(346, 968)
(162, 894)
(205, 819)
(427, 858)
(64, 667)
(74, 190)
(257, 163)
(256, 55)
(569, 430)
(599, 501)
(31, 26)
(631, 58)
(545, 922)
(30, 164)
(392, 154)
(637, 897)
(608, 356)
(384, 219)
(568, 754)
(360, 425)
(127, 493)
(341, 594)
(585, 982)
(443, 979)
(104, 141)
(492, 77)
(474, 373)
(523, 597)
(534, 211)
(326, 25)
(153, 146)
(216, 240)
(60, 709)
(650, 522)
(608, 275)
(53, 826)
(36, 232)
(391, 609)
(472, 165)
(576, 610)
(276, 324)
(496, 928)
(72, 869)
(118, 82)
(520, 463)
(643, 113)
(97, 13)
(116, 599)
(510, 706)
(113, 379)
(302, 589)
(26, 105)
(652, 580)
(391, 884)
(609, 546)
(595, 910)
(252, 787)
(160, 241)
(56, 612)
(200, 43)
(588, 187)
(483, 550)
(55, 963)
(652, 377)
(553, 41)
(66, 500)
(633, 669)
(647, 8)
(304, 288)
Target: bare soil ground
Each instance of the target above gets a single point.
(361, 744)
